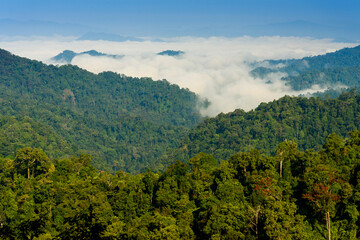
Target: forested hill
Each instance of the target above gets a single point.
(107, 94)
(332, 69)
(124, 122)
(306, 121)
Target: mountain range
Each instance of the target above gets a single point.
(68, 55)
(297, 28)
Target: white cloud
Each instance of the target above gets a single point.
(215, 68)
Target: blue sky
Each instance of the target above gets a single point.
(192, 17)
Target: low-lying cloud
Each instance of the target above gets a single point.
(215, 68)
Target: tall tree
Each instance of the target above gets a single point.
(31, 162)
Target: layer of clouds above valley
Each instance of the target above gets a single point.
(215, 68)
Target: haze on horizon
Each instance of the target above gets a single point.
(201, 18)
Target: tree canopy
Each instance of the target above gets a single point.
(248, 196)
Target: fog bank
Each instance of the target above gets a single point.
(215, 68)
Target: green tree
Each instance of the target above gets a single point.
(31, 162)
(323, 191)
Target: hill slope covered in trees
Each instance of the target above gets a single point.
(306, 121)
(340, 68)
(124, 122)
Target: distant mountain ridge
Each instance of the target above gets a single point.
(67, 55)
(95, 36)
(171, 53)
(13, 27)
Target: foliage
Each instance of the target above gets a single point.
(244, 197)
(305, 122)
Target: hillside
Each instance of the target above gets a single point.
(19, 132)
(306, 121)
(340, 68)
(124, 122)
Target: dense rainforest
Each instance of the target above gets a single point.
(124, 122)
(291, 195)
(106, 156)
